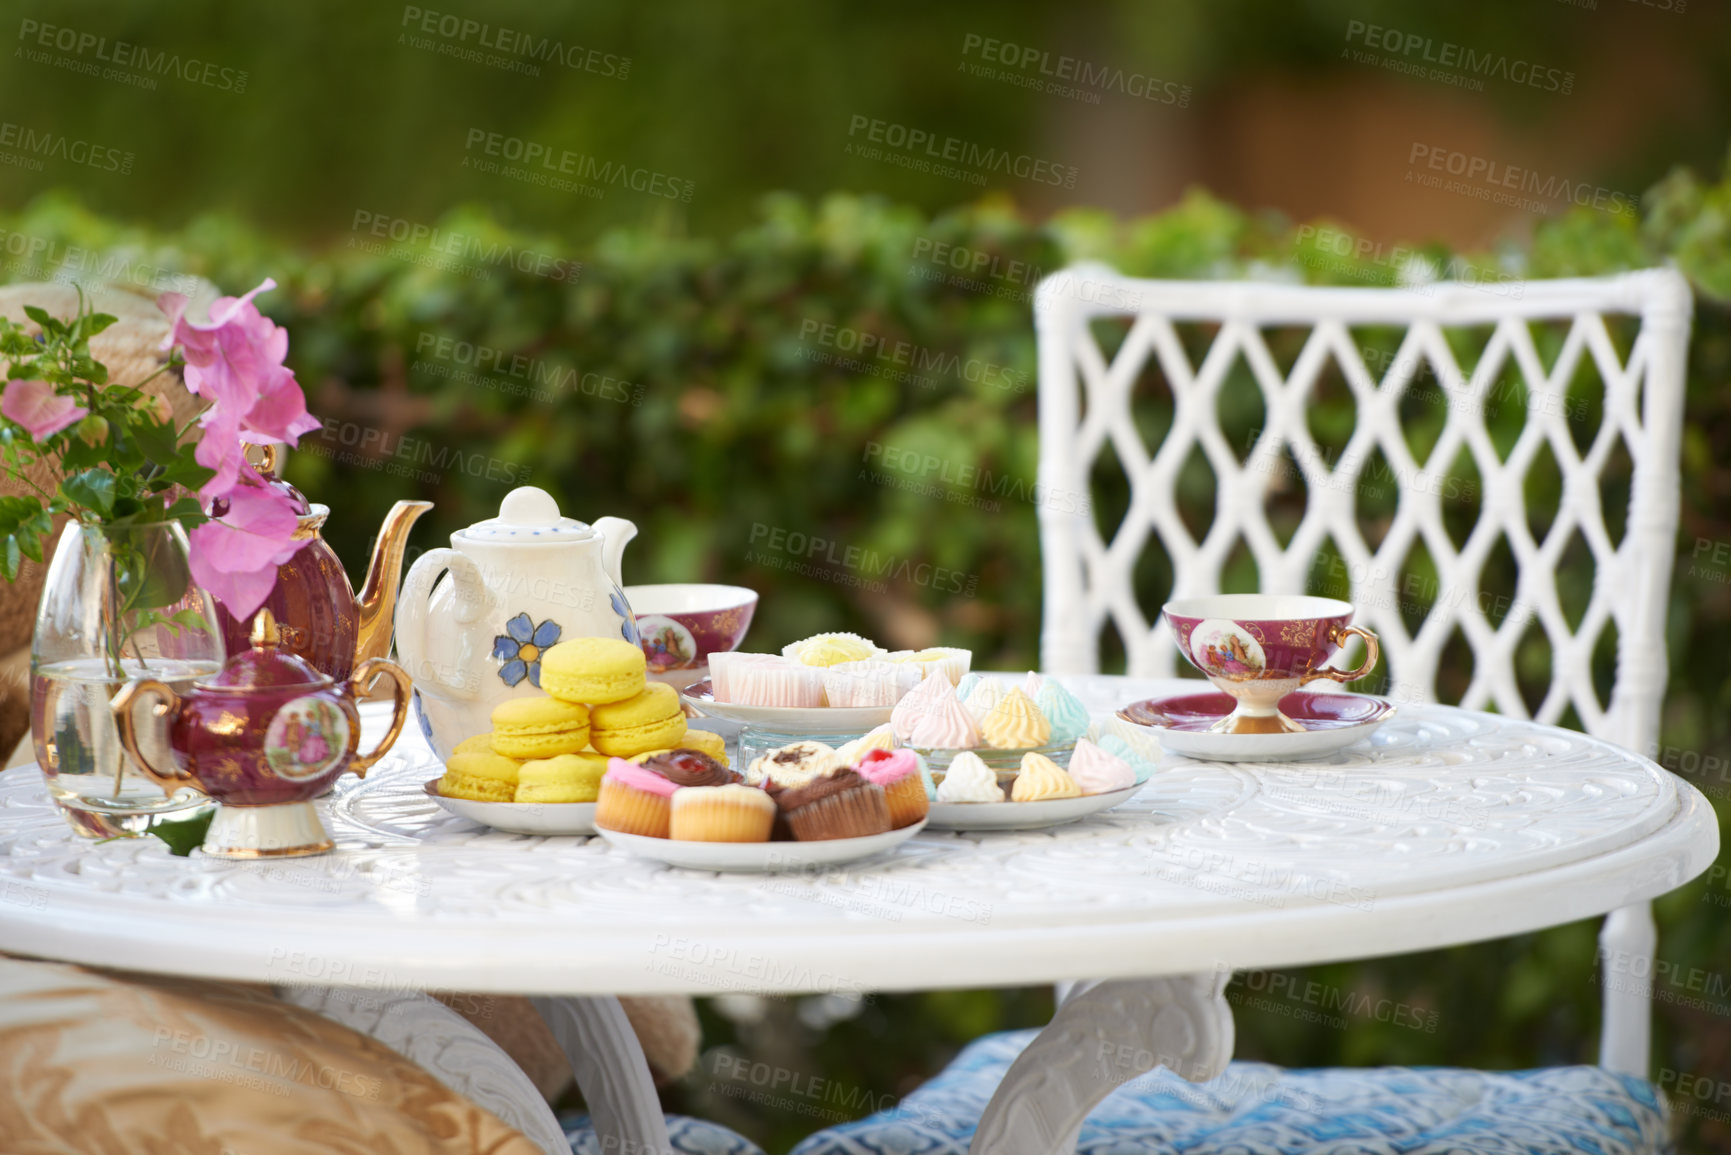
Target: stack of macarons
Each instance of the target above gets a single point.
(554, 747)
(805, 792)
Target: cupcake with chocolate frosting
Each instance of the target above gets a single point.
(684, 767)
(837, 805)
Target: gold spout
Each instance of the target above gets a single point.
(377, 602)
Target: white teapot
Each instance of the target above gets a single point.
(513, 585)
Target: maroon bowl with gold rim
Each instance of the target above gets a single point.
(679, 624)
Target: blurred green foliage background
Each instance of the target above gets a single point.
(685, 364)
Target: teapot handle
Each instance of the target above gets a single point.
(362, 680)
(473, 600)
(168, 703)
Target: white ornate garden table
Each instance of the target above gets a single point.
(1446, 827)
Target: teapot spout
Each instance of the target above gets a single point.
(377, 601)
(616, 533)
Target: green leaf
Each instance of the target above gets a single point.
(183, 835)
(192, 620)
(92, 488)
(41, 317)
(97, 322)
(156, 441)
(156, 618)
(149, 571)
(186, 509)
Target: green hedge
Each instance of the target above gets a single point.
(701, 387)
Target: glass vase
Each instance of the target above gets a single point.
(119, 603)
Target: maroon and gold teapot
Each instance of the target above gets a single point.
(318, 613)
(264, 736)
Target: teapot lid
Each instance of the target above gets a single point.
(528, 515)
(267, 664)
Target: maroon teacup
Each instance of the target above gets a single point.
(1261, 647)
(679, 624)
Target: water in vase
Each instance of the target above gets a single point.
(100, 789)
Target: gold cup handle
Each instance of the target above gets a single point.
(168, 702)
(362, 680)
(1371, 649)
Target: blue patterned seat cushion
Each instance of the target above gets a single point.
(686, 1136)
(1255, 1108)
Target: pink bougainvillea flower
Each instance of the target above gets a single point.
(38, 408)
(280, 413)
(236, 556)
(235, 361)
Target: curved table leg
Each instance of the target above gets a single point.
(1102, 1036)
(446, 1046)
(611, 1072)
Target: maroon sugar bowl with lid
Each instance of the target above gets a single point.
(263, 737)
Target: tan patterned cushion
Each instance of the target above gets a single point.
(107, 1063)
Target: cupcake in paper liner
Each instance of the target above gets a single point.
(769, 681)
(725, 813)
(831, 650)
(634, 800)
(903, 777)
(952, 661)
(723, 665)
(839, 805)
(871, 683)
(796, 764)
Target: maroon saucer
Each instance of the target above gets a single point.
(1194, 713)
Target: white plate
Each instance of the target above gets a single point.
(759, 857)
(1208, 747)
(564, 818)
(827, 720)
(1022, 815)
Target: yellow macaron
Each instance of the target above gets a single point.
(539, 727)
(480, 778)
(566, 778)
(593, 670)
(651, 720)
(479, 744)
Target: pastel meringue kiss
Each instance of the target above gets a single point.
(1042, 780)
(969, 780)
(877, 738)
(949, 727)
(1098, 772)
(926, 698)
(1015, 723)
(1069, 718)
(983, 696)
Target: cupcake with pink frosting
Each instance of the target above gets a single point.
(901, 773)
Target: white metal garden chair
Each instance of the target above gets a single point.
(1085, 406)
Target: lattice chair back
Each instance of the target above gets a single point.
(1091, 579)
(1085, 406)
